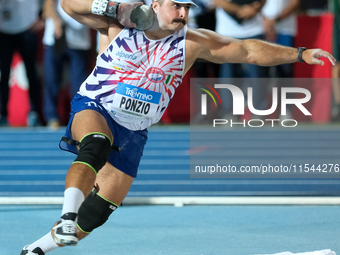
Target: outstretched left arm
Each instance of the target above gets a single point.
(216, 48)
(268, 54)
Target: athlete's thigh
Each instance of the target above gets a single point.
(89, 121)
(113, 184)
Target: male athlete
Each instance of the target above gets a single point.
(135, 77)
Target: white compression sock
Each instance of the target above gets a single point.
(46, 244)
(73, 198)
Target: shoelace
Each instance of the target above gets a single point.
(69, 228)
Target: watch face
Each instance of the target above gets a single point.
(111, 8)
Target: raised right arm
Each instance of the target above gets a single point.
(80, 10)
(108, 13)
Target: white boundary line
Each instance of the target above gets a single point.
(180, 201)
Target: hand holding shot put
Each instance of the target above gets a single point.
(143, 51)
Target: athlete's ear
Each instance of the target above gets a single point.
(155, 5)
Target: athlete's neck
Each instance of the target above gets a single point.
(159, 34)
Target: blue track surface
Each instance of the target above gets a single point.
(31, 163)
(188, 230)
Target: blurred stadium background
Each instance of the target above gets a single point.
(33, 169)
(31, 164)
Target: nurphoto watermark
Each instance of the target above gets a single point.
(256, 128)
(239, 105)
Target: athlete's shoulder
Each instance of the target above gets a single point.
(195, 40)
(201, 33)
(198, 36)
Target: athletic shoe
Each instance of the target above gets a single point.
(65, 232)
(36, 251)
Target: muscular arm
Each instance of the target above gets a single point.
(80, 10)
(268, 54)
(216, 48)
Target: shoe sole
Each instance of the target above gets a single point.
(64, 241)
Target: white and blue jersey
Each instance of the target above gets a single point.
(136, 77)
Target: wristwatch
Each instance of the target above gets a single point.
(111, 9)
(301, 50)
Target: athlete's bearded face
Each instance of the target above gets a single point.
(171, 16)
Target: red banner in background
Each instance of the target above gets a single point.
(316, 32)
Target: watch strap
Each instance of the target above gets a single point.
(106, 8)
(300, 51)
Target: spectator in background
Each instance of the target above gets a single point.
(279, 21)
(336, 93)
(205, 17)
(280, 26)
(64, 39)
(241, 19)
(19, 26)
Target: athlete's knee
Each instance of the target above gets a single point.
(94, 151)
(94, 212)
